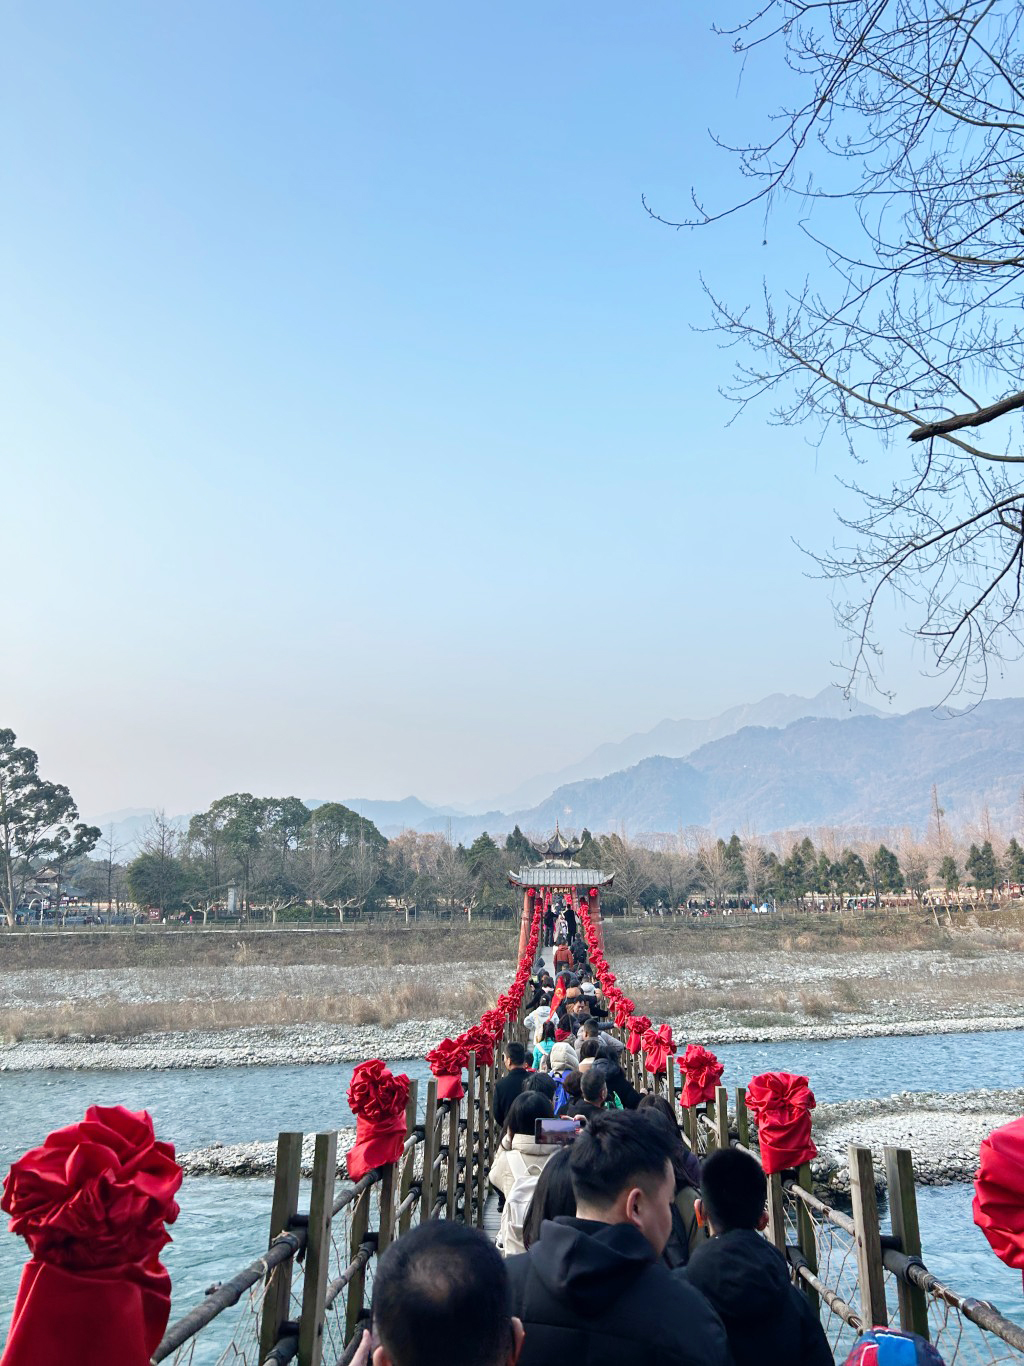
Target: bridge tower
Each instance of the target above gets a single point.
(558, 880)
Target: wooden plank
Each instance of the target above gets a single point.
(805, 1233)
(870, 1278)
(742, 1116)
(721, 1117)
(429, 1188)
(483, 1126)
(777, 1213)
(899, 1176)
(409, 1162)
(278, 1294)
(318, 1250)
(360, 1223)
(471, 1127)
(452, 1164)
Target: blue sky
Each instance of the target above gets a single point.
(358, 439)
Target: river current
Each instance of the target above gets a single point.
(224, 1221)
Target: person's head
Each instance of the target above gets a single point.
(541, 1082)
(553, 1195)
(591, 1029)
(589, 1048)
(515, 1054)
(661, 1106)
(547, 1031)
(579, 1008)
(594, 1084)
(622, 1174)
(563, 1055)
(545, 979)
(441, 1294)
(560, 941)
(523, 1113)
(573, 1084)
(733, 1192)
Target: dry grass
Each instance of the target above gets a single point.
(382, 943)
(421, 1000)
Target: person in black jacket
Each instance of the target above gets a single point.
(591, 1288)
(769, 1321)
(509, 1087)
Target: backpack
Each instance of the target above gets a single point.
(517, 1204)
(892, 1347)
(562, 1096)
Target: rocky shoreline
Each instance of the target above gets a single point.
(301, 1045)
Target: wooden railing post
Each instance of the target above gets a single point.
(777, 1212)
(709, 1134)
(409, 1163)
(469, 1178)
(670, 1080)
(278, 1293)
(482, 1147)
(721, 1117)
(870, 1278)
(742, 1116)
(429, 1189)
(318, 1250)
(360, 1223)
(452, 1166)
(805, 1232)
(899, 1175)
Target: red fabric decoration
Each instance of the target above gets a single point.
(92, 1204)
(638, 1025)
(999, 1193)
(782, 1104)
(477, 1040)
(658, 1047)
(447, 1060)
(702, 1071)
(377, 1098)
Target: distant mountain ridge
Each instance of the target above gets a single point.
(867, 770)
(676, 739)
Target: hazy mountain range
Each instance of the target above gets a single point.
(780, 763)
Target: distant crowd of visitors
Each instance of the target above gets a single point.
(617, 1244)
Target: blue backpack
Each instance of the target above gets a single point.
(562, 1096)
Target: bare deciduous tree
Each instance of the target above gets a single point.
(903, 159)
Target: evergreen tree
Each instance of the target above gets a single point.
(1015, 861)
(885, 871)
(949, 873)
(982, 866)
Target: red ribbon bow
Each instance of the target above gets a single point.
(658, 1045)
(702, 1071)
(378, 1099)
(638, 1025)
(782, 1103)
(93, 1204)
(447, 1060)
(999, 1192)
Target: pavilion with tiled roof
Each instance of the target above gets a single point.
(558, 874)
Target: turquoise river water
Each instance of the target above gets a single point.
(224, 1222)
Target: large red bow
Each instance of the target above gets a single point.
(477, 1040)
(702, 1071)
(999, 1192)
(782, 1103)
(638, 1025)
(447, 1060)
(378, 1099)
(92, 1203)
(658, 1046)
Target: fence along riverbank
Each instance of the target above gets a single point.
(306, 1297)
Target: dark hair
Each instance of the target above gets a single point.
(440, 1293)
(589, 1048)
(595, 1079)
(541, 1082)
(516, 1053)
(553, 1195)
(547, 1030)
(527, 1107)
(733, 1188)
(617, 1150)
(662, 1118)
(591, 1027)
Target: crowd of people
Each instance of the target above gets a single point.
(617, 1244)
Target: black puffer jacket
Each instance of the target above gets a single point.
(595, 1295)
(769, 1321)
